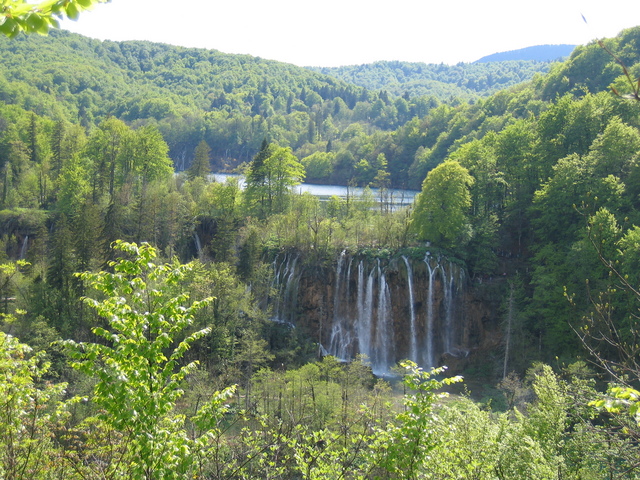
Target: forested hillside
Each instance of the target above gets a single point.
(156, 324)
(465, 81)
(231, 101)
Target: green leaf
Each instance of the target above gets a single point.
(9, 27)
(34, 21)
(72, 11)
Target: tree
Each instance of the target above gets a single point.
(21, 16)
(25, 411)
(283, 172)
(137, 363)
(104, 148)
(149, 157)
(200, 167)
(441, 212)
(270, 177)
(255, 194)
(319, 165)
(404, 448)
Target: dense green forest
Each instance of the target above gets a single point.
(233, 102)
(465, 81)
(136, 332)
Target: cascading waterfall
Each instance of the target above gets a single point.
(23, 249)
(429, 357)
(382, 359)
(365, 312)
(364, 306)
(449, 285)
(276, 282)
(286, 284)
(413, 330)
(196, 239)
(340, 341)
(360, 300)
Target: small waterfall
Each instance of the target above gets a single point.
(336, 297)
(196, 239)
(447, 286)
(323, 351)
(413, 330)
(382, 358)
(450, 285)
(285, 284)
(23, 249)
(365, 312)
(348, 278)
(429, 351)
(360, 301)
(340, 340)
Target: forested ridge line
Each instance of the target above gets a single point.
(341, 132)
(464, 81)
(233, 101)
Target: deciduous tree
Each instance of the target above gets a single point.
(137, 363)
(441, 212)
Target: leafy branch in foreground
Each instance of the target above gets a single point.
(26, 411)
(406, 445)
(634, 84)
(137, 363)
(20, 16)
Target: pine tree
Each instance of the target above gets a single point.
(200, 167)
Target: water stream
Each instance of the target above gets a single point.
(367, 307)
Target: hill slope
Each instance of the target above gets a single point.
(464, 80)
(232, 101)
(342, 132)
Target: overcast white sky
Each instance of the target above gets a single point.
(346, 32)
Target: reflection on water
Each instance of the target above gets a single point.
(395, 197)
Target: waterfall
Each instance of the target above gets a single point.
(365, 306)
(196, 239)
(365, 312)
(450, 286)
(286, 284)
(447, 286)
(323, 351)
(340, 339)
(360, 302)
(23, 249)
(290, 293)
(336, 296)
(348, 279)
(374, 323)
(429, 354)
(413, 331)
(383, 354)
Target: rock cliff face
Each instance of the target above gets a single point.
(419, 307)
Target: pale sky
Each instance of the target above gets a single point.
(331, 33)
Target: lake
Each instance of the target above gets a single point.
(395, 197)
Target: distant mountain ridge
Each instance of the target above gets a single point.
(538, 53)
